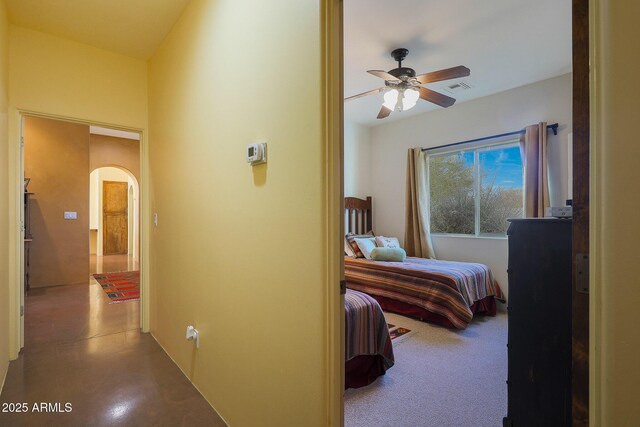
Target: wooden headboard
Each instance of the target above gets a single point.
(357, 213)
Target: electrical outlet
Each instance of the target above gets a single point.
(193, 335)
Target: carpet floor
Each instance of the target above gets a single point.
(441, 378)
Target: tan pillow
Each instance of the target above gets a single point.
(348, 250)
(351, 239)
(387, 242)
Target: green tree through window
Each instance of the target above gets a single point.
(475, 192)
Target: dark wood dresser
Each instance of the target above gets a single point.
(539, 337)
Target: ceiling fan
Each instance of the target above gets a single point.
(402, 87)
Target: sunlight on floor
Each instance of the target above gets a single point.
(112, 263)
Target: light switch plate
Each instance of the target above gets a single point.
(71, 215)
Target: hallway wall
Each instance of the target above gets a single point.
(53, 75)
(4, 189)
(239, 251)
(111, 150)
(615, 203)
(56, 158)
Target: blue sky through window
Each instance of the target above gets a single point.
(505, 163)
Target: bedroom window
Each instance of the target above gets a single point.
(474, 191)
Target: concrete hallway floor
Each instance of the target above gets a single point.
(84, 354)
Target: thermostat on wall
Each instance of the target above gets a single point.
(257, 153)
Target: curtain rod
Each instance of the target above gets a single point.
(553, 127)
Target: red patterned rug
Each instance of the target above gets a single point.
(397, 331)
(120, 286)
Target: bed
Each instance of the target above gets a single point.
(368, 349)
(444, 292)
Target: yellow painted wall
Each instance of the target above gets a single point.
(4, 225)
(615, 206)
(239, 251)
(59, 77)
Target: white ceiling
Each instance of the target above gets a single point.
(96, 130)
(505, 43)
(131, 27)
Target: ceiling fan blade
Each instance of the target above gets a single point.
(436, 97)
(384, 112)
(384, 75)
(449, 73)
(360, 95)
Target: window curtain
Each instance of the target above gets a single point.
(417, 239)
(533, 148)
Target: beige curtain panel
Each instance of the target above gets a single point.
(417, 239)
(533, 148)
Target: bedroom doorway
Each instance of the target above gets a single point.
(357, 152)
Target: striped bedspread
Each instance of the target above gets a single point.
(446, 288)
(366, 328)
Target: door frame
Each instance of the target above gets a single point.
(584, 25)
(581, 335)
(16, 243)
(332, 126)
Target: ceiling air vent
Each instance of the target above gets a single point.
(457, 87)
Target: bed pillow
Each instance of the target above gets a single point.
(366, 245)
(387, 242)
(357, 253)
(388, 254)
(348, 250)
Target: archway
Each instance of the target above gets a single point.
(114, 173)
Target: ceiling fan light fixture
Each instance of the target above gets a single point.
(403, 87)
(409, 98)
(391, 99)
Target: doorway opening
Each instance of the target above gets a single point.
(82, 202)
(378, 134)
(114, 220)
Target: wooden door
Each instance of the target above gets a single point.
(581, 179)
(115, 218)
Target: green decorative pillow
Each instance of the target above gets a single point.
(388, 254)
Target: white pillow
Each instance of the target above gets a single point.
(387, 242)
(366, 245)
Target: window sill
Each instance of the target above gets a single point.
(469, 236)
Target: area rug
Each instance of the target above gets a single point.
(397, 331)
(121, 286)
